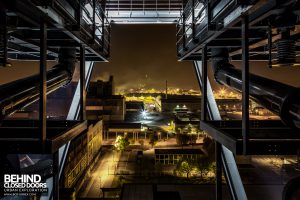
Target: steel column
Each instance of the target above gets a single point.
(108, 38)
(43, 82)
(208, 11)
(245, 83)
(183, 32)
(230, 168)
(193, 21)
(218, 152)
(78, 15)
(3, 38)
(94, 21)
(103, 31)
(82, 83)
(55, 175)
(204, 84)
(270, 44)
(204, 112)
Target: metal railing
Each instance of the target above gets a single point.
(93, 15)
(203, 20)
(192, 20)
(87, 17)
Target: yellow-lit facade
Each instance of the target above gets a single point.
(82, 152)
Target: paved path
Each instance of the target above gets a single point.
(102, 175)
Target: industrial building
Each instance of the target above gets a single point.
(102, 103)
(172, 156)
(181, 103)
(212, 34)
(83, 153)
(110, 108)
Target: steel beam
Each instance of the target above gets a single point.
(59, 18)
(43, 82)
(3, 38)
(270, 44)
(193, 21)
(73, 113)
(230, 168)
(245, 83)
(103, 31)
(94, 21)
(82, 83)
(208, 36)
(268, 137)
(224, 43)
(218, 170)
(183, 32)
(204, 84)
(55, 176)
(204, 118)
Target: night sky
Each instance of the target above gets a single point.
(146, 54)
(140, 50)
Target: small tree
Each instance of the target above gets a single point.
(182, 139)
(192, 138)
(141, 142)
(153, 139)
(185, 166)
(212, 167)
(189, 128)
(209, 147)
(121, 143)
(203, 165)
(158, 168)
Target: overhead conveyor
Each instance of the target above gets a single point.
(66, 31)
(223, 31)
(61, 30)
(247, 31)
(144, 11)
(70, 24)
(218, 24)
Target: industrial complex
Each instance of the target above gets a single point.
(66, 132)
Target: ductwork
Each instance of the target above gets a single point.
(20, 93)
(282, 99)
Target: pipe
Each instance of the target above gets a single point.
(281, 99)
(292, 189)
(20, 93)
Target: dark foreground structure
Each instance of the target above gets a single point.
(207, 31)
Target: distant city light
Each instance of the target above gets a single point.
(171, 90)
(222, 91)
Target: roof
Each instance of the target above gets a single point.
(124, 125)
(135, 105)
(137, 191)
(181, 99)
(106, 98)
(178, 151)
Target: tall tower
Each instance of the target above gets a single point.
(166, 89)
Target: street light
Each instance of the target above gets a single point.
(144, 114)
